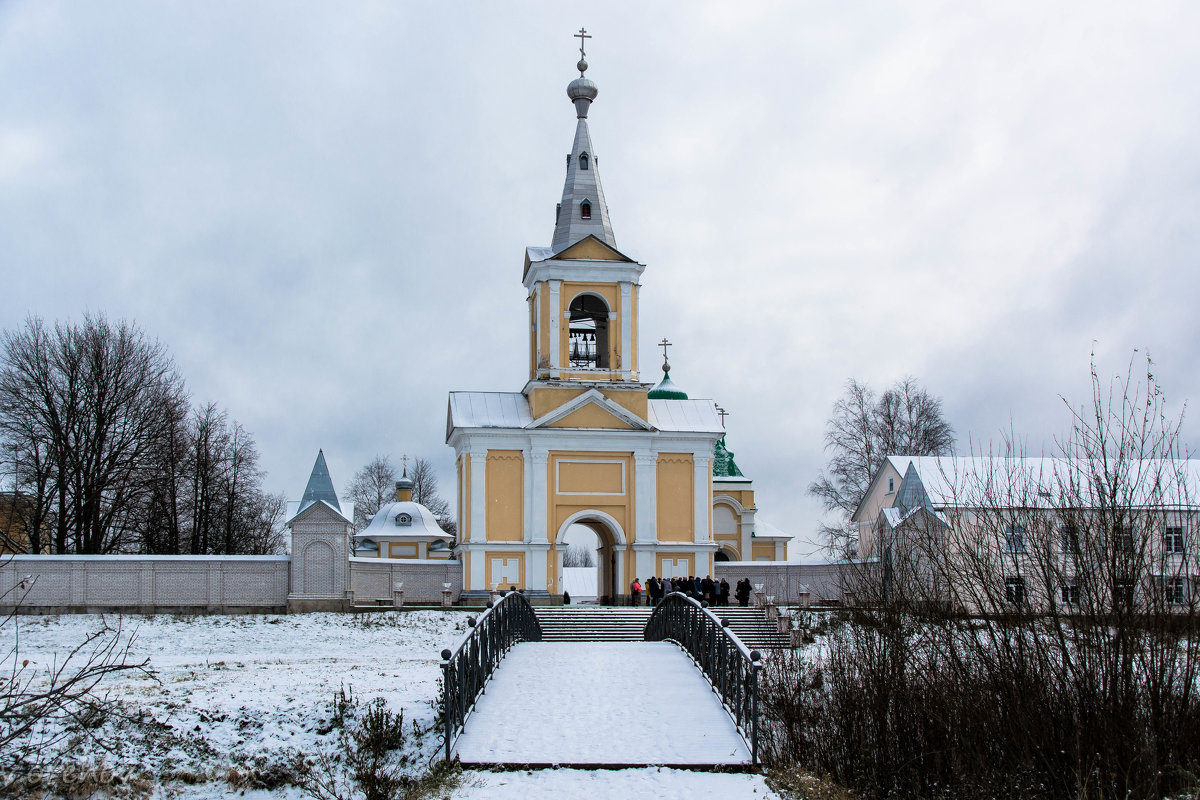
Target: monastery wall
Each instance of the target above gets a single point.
(145, 584)
(824, 581)
(372, 579)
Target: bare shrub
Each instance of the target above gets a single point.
(1033, 633)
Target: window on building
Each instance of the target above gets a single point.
(1175, 591)
(1014, 590)
(585, 210)
(891, 485)
(1123, 540)
(588, 339)
(403, 520)
(1123, 593)
(1173, 540)
(1014, 538)
(1069, 537)
(583, 160)
(1070, 594)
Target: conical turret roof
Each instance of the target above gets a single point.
(582, 211)
(320, 486)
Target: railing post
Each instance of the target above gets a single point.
(446, 654)
(754, 659)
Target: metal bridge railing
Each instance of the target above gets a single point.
(729, 665)
(467, 669)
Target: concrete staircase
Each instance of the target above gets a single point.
(592, 623)
(581, 623)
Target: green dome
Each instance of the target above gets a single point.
(666, 390)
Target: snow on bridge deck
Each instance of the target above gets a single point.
(599, 703)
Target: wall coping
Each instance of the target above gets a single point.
(26, 558)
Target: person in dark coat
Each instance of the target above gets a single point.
(743, 592)
(723, 593)
(654, 590)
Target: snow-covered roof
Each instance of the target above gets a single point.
(539, 253)
(695, 416)
(765, 530)
(489, 410)
(1036, 481)
(511, 410)
(421, 523)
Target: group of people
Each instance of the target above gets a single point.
(715, 593)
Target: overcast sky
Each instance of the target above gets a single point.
(322, 208)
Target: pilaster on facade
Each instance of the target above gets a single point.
(529, 499)
(539, 460)
(703, 499)
(627, 345)
(645, 471)
(554, 315)
(478, 496)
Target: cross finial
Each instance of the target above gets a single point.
(582, 36)
(664, 344)
(723, 414)
(404, 458)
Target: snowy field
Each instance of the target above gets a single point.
(233, 694)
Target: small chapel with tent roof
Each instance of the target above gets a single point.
(586, 441)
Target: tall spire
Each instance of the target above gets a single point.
(320, 486)
(582, 210)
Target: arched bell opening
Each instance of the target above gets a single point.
(587, 345)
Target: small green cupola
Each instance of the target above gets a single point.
(666, 389)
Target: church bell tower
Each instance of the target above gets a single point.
(582, 290)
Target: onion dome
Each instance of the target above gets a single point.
(666, 389)
(582, 91)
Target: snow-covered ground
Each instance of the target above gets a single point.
(232, 692)
(609, 703)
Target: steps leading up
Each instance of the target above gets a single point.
(592, 623)
(627, 624)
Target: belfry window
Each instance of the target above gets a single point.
(585, 210)
(583, 160)
(403, 520)
(588, 345)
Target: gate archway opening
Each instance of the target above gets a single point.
(609, 549)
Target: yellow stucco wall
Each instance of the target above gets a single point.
(676, 507)
(505, 481)
(589, 481)
(744, 496)
(591, 416)
(590, 250)
(763, 550)
(668, 565)
(543, 400)
(499, 566)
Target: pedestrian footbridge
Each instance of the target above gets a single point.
(684, 696)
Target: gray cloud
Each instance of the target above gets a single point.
(323, 210)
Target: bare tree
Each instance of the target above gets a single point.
(864, 429)
(372, 487)
(425, 492)
(579, 556)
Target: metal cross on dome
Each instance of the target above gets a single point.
(582, 36)
(664, 344)
(404, 458)
(723, 413)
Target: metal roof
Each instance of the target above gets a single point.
(320, 486)
(489, 410)
(511, 410)
(693, 416)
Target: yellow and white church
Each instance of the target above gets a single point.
(586, 442)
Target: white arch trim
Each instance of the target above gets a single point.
(724, 499)
(591, 516)
(588, 292)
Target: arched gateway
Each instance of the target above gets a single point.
(610, 554)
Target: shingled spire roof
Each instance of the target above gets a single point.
(320, 486)
(582, 210)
